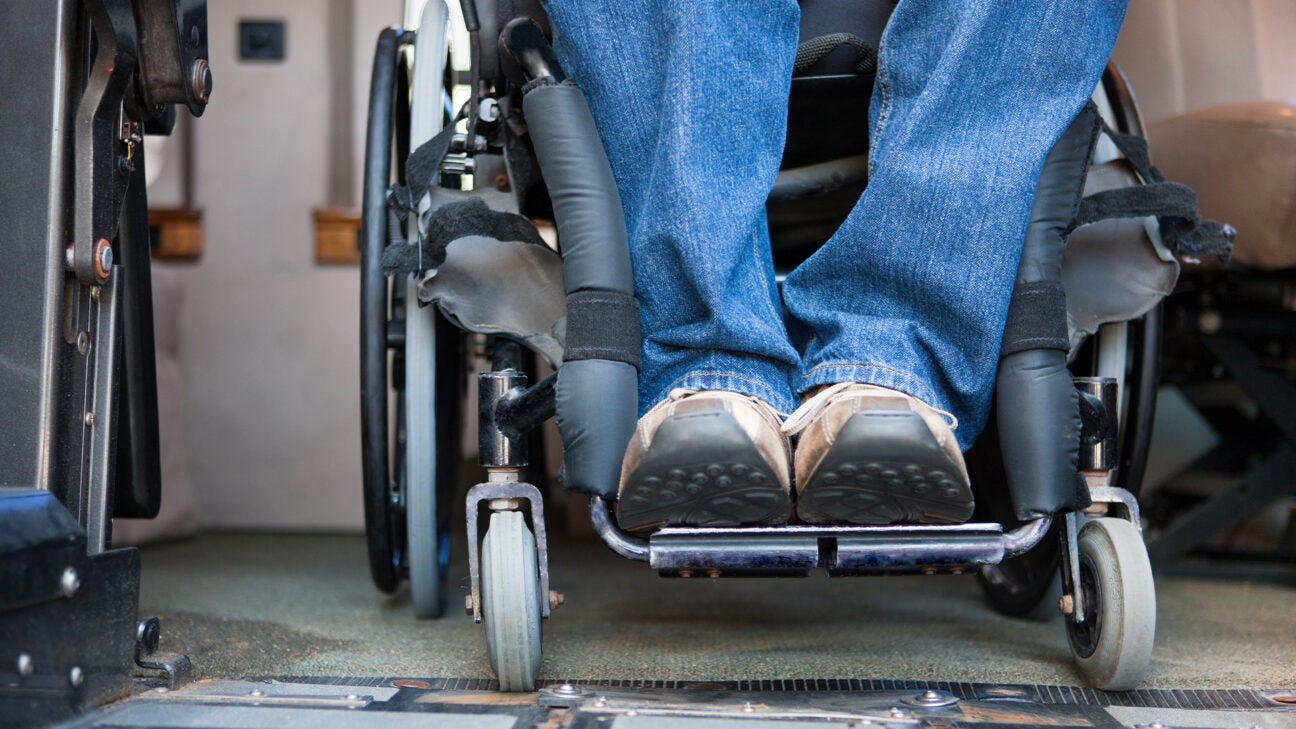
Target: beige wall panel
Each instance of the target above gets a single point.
(270, 342)
(1217, 49)
(1147, 50)
(1275, 27)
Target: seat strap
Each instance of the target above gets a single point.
(449, 223)
(1174, 205)
(421, 167)
(816, 49)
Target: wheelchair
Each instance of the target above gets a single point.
(1056, 473)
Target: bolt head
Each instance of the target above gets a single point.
(147, 635)
(89, 419)
(76, 676)
(25, 665)
(468, 603)
(898, 712)
(103, 258)
(1066, 604)
(202, 81)
(69, 582)
(255, 692)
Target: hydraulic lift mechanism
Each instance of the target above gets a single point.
(85, 80)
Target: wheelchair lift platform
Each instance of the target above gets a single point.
(396, 703)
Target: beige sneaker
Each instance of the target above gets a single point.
(872, 455)
(706, 458)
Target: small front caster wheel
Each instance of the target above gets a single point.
(510, 587)
(1113, 645)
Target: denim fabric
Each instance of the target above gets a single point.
(912, 291)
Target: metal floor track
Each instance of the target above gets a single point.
(1194, 699)
(305, 702)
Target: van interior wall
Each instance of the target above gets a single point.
(1185, 56)
(269, 341)
(269, 346)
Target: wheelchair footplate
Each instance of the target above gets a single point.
(796, 551)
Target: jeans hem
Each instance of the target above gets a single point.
(730, 382)
(868, 374)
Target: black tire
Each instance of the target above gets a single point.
(382, 517)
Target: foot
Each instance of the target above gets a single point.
(872, 455)
(705, 458)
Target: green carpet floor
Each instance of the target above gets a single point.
(259, 605)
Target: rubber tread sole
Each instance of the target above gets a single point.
(702, 469)
(885, 467)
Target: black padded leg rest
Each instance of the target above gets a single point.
(596, 405)
(1039, 421)
(596, 398)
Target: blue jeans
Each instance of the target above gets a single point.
(912, 291)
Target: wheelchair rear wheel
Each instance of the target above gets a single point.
(1030, 585)
(409, 477)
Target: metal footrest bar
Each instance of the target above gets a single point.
(783, 551)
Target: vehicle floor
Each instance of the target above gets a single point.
(257, 605)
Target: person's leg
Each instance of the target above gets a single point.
(912, 291)
(690, 99)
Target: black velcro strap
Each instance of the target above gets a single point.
(421, 168)
(451, 222)
(1174, 205)
(1036, 319)
(603, 325)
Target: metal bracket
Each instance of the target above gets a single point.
(176, 665)
(1071, 566)
(101, 177)
(506, 490)
(1114, 495)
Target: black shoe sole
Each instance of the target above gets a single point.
(885, 468)
(702, 470)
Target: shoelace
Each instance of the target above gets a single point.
(680, 393)
(811, 409)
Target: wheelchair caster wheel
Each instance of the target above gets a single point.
(1113, 645)
(510, 593)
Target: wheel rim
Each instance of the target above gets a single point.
(1084, 636)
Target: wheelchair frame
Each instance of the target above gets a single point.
(1103, 565)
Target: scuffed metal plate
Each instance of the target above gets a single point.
(396, 703)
